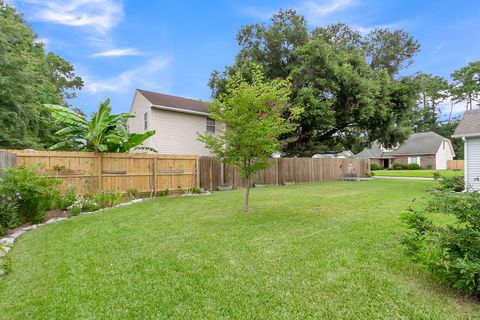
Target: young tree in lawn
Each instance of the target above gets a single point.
(252, 116)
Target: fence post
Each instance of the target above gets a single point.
(311, 169)
(210, 173)
(154, 176)
(197, 172)
(276, 171)
(100, 172)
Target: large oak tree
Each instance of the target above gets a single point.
(348, 84)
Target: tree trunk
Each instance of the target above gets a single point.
(247, 194)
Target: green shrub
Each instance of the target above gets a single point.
(413, 166)
(399, 166)
(67, 198)
(163, 193)
(133, 193)
(450, 251)
(195, 191)
(376, 166)
(456, 184)
(106, 199)
(38, 192)
(437, 175)
(9, 211)
(429, 167)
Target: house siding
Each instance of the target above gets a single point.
(140, 105)
(472, 163)
(444, 153)
(175, 132)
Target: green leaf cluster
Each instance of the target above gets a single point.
(104, 132)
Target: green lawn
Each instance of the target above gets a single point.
(416, 173)
(318, 251)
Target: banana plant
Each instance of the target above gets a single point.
(105, 132)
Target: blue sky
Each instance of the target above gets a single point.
(173, 46)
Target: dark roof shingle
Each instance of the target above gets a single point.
(420, 143)
(184, 104)
(469, 125)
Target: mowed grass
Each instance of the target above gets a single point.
(309, 251)
(417, 173)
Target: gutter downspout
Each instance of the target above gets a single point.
(465, 163)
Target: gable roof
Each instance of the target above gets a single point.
(374, 152)
(172, 102)
(469, 125)
(420, 143)
(417, 144)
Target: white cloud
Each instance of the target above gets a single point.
(99, 15)
(117, 53)
(318, 9)
(146, 76)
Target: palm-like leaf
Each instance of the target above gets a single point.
(103, 133)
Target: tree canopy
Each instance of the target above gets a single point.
(251, 112)
(347, 84)
(29, 78)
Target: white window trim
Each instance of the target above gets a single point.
(418, 158)
(211, 126)
(145, 121)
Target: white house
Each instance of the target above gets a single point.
(175, 120)
(469, 130)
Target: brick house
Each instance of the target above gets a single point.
(428, 149)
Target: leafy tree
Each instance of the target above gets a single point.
(433, 90)
(27, 82)
(345, 82)
(105, 132)
(251, 113)
(390, 50)
(466, 86)
(62, 74)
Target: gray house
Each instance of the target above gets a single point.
(427, 149)
(469, 131)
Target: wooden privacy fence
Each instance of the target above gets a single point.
(214, 174)
(90, 172)
(7, 160)
(455, 164)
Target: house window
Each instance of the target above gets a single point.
(210, 125)
(414, 160)
(145, 121)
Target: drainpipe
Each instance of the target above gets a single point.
(465, 162)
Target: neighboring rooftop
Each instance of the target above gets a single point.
(469, 125)
(165, 100)
(417, 144)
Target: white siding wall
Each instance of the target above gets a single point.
(176, 132)
(472, 163)
(140, 105)
(444, 153)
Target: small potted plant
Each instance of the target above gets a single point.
(289, 182)
(224, 187)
